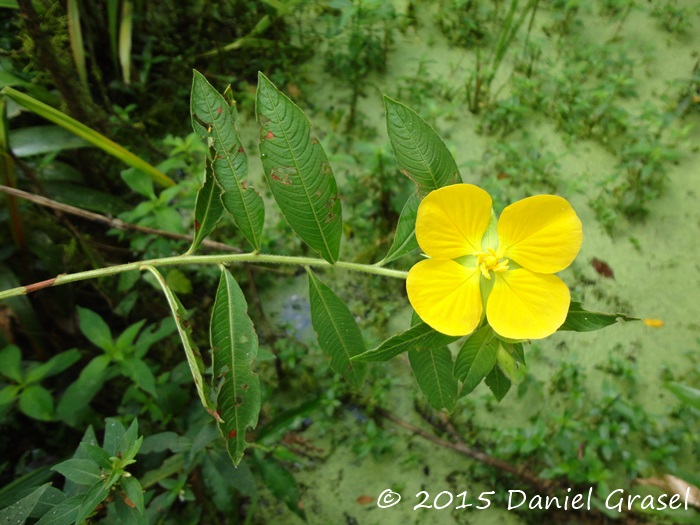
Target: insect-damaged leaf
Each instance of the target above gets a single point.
(297, 169)
(421, 154)
(338, 334)
(235, 347)
(194, 357)
(213, 120)
(207, 208)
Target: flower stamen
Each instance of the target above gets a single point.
(490, 261)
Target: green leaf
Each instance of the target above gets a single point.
(138, 183)
(417, 337)
(405, 236)
(507, 363)
(685, 393)
(10, 360)
(498, 383)
(208, 208)
(213, 121)
(132, 488)
(281, 483)
(12, 4)
(62, 514)
(80, 471)
(178, 281)
(338, 334)
(73, 406)
(298, 171)
(38, 140)
(433, 370)
(420, 153)
(194, 357)
(580, 320)
(476, 358)
(8, 394)
(114, 432)
(18, 512)
(53, 366)
(235, 346)
(97, 454)
(95, 495)
(95, 329)
(125, 341)
(140, 373)
(36, 402)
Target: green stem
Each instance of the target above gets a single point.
(202, 259)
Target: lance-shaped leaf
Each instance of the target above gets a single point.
(235, 347)
(421, 154)
(207, 208)
(405, 236)
(476, 358)
(580, 320)
(417, 337)
(194, 357)
(297, 169)
(281, 483)
(498, 383)
(338, 334)
(213, 120)
(433, 370)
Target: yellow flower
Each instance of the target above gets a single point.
(506, 269)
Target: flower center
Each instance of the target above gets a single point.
(489, 261)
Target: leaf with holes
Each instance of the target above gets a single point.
(338, 334)
(405, 236)
(433, 370)
(476, 358)
(194, 357)
(207, 208)
(580, 320)
(420, 153)
(235, 347)
(213, 120)
(418, 336)
(297, 169)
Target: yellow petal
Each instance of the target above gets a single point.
(452, 220)
(540, 233)
(445, 295)
(527, 305)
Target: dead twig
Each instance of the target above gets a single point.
(110, 221)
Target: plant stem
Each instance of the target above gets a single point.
(201, 259)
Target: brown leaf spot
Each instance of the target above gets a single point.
(232, 434)
(602, 268)
(128, 501)
(502, 176)
(219, 111)
(245, 386)
(240, 149)
(364, 499)
(197, 225)
(243, 185)
(270, 135)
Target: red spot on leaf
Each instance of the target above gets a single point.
(232, 434)
(243, 185)
(364, 499)
(218, 156)
(270, 135)
(197, 225)
(240, 149)
(274, 177)
(602, 268)
(219, 111)
(128, 501)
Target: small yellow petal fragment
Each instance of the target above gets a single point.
(527, 305)
(452, 220)
(540, 233)
(445, 295)
(654, 323)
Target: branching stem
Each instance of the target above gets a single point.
(225, 259)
